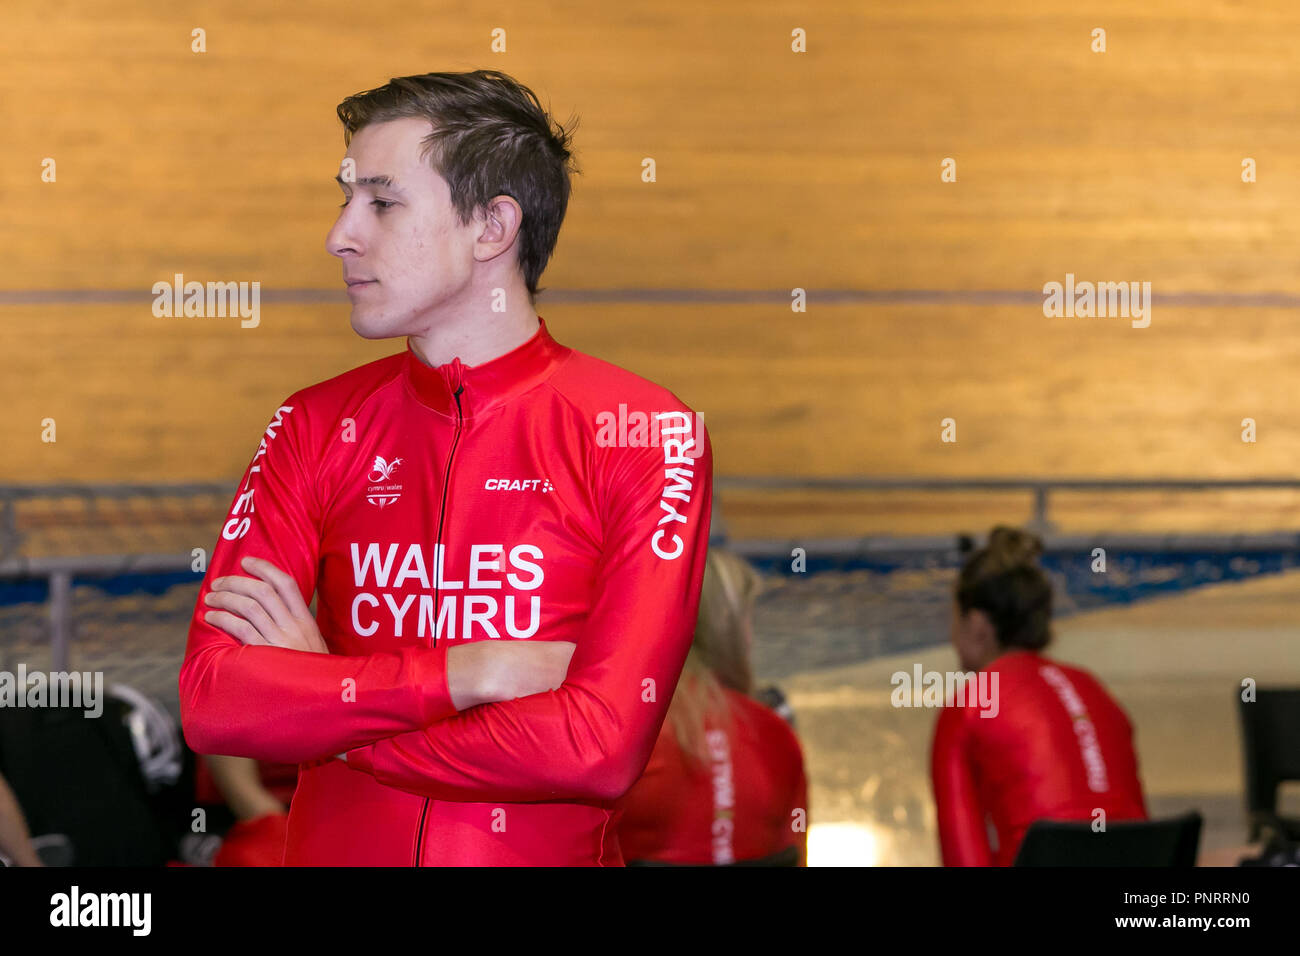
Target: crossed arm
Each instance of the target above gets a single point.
(265, 609)
(544, 735)
(255, 682)
(264, 612)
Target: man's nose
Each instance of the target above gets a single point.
(342, 239)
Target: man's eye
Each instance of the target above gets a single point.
(381, 203)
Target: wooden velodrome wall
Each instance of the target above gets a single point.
(775, 170)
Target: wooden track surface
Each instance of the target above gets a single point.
(775, 171)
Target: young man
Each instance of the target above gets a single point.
(467, 517)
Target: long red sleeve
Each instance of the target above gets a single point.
(283, 705)
(591, 738)
(962, 835)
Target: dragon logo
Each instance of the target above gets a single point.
(382, 492)
(382, 469)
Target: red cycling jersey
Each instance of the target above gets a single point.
(748, 802)
(543, 495)
(1056, 746)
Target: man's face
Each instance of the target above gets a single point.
(402, 237)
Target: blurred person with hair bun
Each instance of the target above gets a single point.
(1054, 745)
(725, 783)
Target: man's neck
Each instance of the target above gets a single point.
(476, 338)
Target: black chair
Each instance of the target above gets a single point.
(1170, 842)
(1270, 731)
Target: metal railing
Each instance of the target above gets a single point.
(11, 539)
(59, 570)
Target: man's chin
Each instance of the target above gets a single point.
(371, 328)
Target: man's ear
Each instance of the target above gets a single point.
(499, 202)
(498, 215)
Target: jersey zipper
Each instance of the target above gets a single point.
(457, 379)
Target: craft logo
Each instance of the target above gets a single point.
(519, 484)
(380, 491)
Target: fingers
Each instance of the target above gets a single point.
(265, 598)
(283, 583)
(236, 627)
(243, 608)
(270, 604)
(265, 619)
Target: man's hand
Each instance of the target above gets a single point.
(494, 670)
(264, 610)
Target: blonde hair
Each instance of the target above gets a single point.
(719, 655)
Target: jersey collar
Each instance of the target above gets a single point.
(487, 384)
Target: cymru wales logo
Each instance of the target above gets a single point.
(380, 491)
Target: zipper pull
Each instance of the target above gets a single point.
(456, 378)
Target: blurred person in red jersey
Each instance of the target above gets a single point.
(1051, 744)
(725, 783)
(258, 795)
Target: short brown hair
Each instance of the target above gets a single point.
(1003, 579)
(490, 137)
